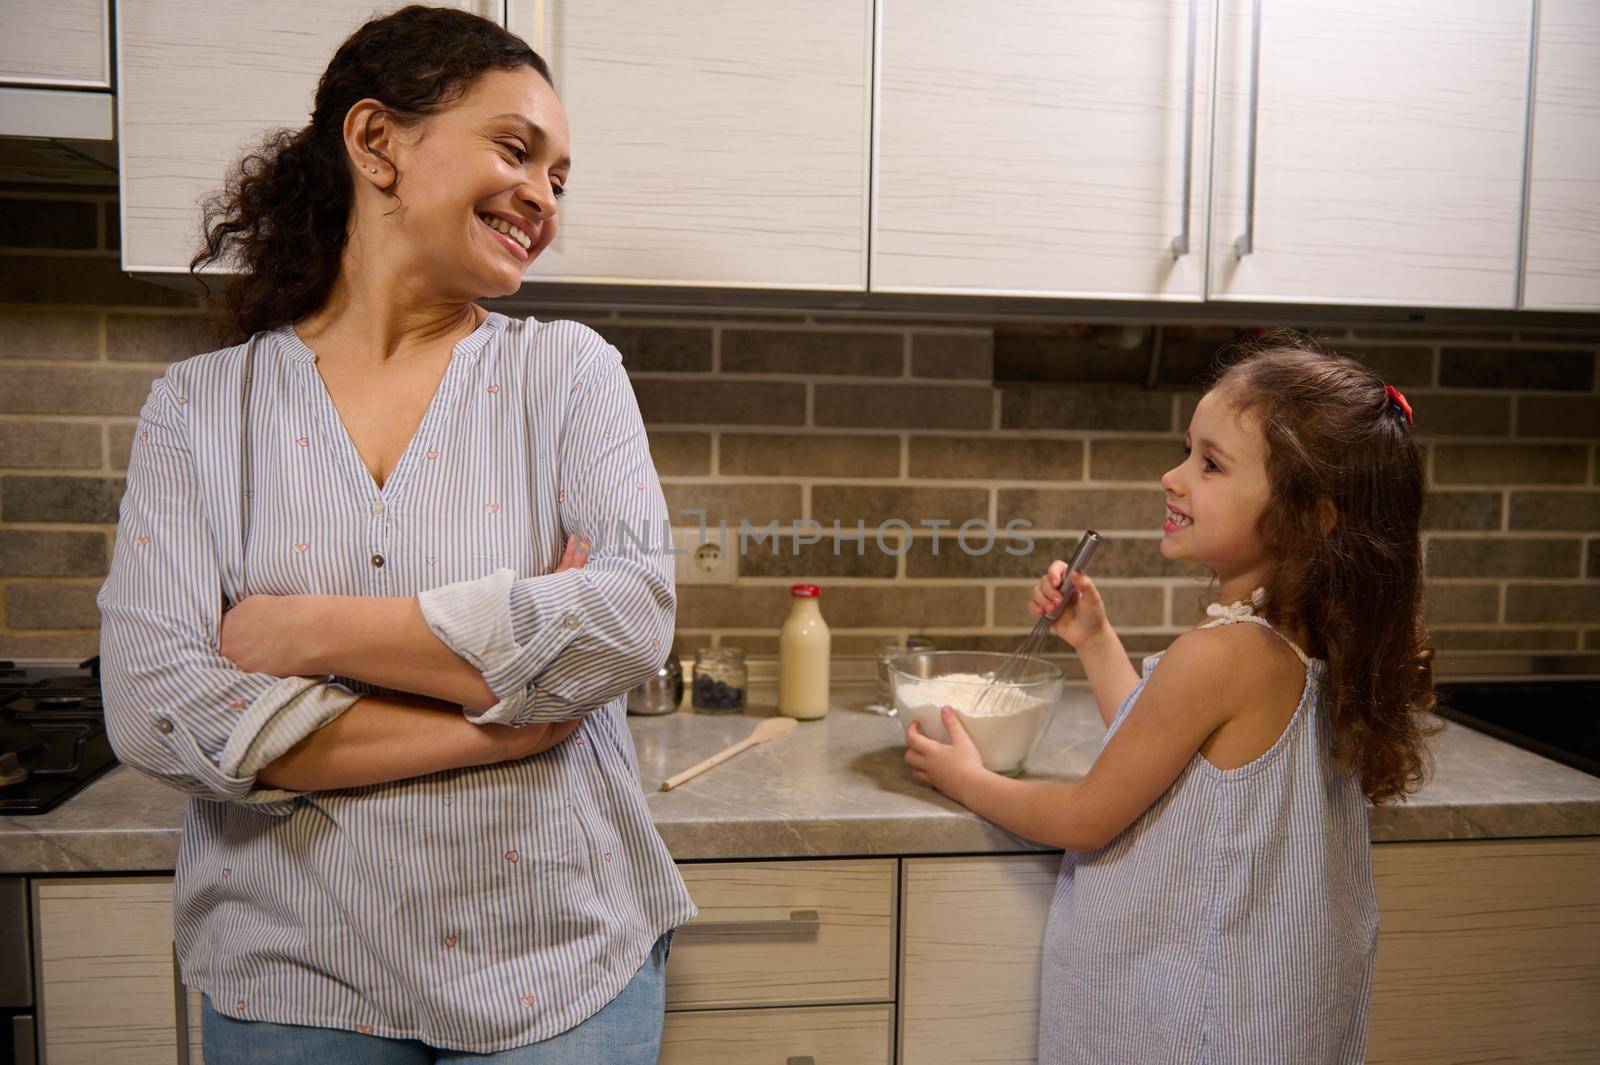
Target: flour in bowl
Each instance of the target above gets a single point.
(962, 690)
(1005, 730)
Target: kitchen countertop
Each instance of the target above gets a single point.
(840, 787)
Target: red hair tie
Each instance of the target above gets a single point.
(1399, 401)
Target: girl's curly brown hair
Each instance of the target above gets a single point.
(282, 217)
(1343, 525)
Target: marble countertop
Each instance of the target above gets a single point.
(840, 787)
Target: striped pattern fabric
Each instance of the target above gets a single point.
(1235, 921)
(478, 909)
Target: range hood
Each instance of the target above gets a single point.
(58, 136)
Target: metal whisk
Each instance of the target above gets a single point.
(1015, 666)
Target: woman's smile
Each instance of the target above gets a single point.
(511, 235)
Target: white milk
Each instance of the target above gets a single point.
(1004, 731)
(804, 646)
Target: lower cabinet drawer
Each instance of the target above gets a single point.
(786, 934)
(821, 1035)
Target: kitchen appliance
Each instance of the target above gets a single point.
(52, 734)
(1554, 716)
(58, 136)
(661, 693)
(17, 1041)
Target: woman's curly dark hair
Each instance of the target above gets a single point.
(282, 218)
(1344, 528)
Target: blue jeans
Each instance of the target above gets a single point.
(626, 1031)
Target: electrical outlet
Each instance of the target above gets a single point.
(711, 558)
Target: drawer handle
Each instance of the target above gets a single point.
(802, 924)
(807, 1060)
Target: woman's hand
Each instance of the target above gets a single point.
(1084, 619)
(950, 767)
(576, 556)
(529, 740)
(265, 634)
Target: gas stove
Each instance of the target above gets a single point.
(52, 734)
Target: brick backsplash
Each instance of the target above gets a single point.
(796, 417)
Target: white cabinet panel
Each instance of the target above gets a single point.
(970, 945)
(107, 992)
(56, 43)
(1488, 950)
(829, 1035)
(1038, 147)
(1563, 253)
(828, 938)
(712, 143)
(201, 81)
(1388, 151)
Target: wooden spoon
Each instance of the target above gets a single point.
(768, 730)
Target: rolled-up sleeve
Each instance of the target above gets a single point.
(176, 710)
(559, 645)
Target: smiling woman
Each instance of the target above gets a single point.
(435, 128)
(353, 607)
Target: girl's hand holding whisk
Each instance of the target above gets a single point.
(1082, 620)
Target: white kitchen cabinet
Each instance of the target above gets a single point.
(1562, 261)
(1488, 950)
(107, 989)
(1042, 148)
(970, 945)
(201, 81)
(1378, 156)
(713, 144)
(60, 44)
(785, 934)
(828, 1035)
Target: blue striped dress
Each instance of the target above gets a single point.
(477, 909)
(1233, 922)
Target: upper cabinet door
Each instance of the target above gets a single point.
(201, 81)
(1377, 158)
(1563, 253)
(61, 44)
(718, 144)
(1042, 148)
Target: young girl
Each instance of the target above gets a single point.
(1216, 901)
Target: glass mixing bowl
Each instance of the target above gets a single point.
(1013, 723)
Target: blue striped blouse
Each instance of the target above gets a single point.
(476, 909)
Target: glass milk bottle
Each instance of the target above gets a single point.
(803, 649)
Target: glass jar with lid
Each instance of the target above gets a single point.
(720, 680)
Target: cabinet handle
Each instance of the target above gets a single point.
(1519, 283)
(539, 34)
(802, 924)
(807, 1060)
(1246, 243)
(1180, 243)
